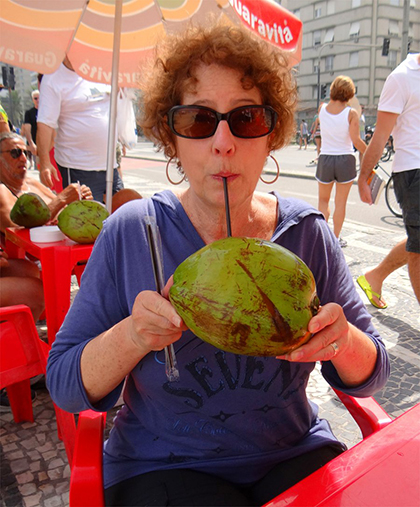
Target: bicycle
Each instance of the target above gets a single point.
(390, 197)
(388, 150)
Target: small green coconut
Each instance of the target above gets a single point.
(82, 221)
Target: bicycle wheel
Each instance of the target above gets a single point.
(391, 199)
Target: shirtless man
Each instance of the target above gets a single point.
(14, 181)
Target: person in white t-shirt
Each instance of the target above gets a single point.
(399, 113)
(79, 110)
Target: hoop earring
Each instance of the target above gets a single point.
(167, 174)
(277, 175)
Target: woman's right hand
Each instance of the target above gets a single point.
(154, 321)
(152, 325)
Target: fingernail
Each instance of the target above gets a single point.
(314, 327)
(295, 356)
(176, 321)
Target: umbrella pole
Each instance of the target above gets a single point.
(113, 104)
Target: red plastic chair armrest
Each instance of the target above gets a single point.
(368, 414)
(86, 483)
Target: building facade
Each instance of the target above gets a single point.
(346, 37)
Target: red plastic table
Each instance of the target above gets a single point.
(58, 260)
(381, 471)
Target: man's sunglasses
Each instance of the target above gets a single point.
(200, 122)
(17, 152)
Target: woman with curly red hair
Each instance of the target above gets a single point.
(234, 429)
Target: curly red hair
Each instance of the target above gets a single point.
(173, 73)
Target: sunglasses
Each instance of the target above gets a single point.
(200, 122)
(17, 152)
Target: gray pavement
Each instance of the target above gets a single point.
(34, 469)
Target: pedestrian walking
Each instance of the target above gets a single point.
(337, 163)
(399, 114)
(303, 134)
(29, 128)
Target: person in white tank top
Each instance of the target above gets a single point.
(337, 163)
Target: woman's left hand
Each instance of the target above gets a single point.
(330, 336)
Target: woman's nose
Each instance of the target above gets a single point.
(223, 139)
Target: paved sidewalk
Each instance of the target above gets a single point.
(34, 469)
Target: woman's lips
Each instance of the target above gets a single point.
(228, 176)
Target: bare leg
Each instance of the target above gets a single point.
(395, 259)
(19, 267)
(324, 194)
(414, 272)
(23, 291)
(342, 191)
(21, 285)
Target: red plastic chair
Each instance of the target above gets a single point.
(86, 482)
(23, 355)
(86, 486)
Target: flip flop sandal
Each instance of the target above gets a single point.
(367, 289)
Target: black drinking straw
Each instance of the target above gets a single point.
(225, 188)
(155, 247)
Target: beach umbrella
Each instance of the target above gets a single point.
(107, 40)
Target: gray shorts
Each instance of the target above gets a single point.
(339, 168)
(407, 191)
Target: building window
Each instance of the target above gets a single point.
(354, 30)
(329, 35)
(314, 92)
(354, 59)
(410, 30)
(413, 4)
(296, 13)
(317, 37)
(392, 59)
(330, 7)
(355, 3)
(315, 66)
(393, 27)
(317, 11)
(329, 63)
(394, 2)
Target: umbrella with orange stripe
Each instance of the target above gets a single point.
(107, 40)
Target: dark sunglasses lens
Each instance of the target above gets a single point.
(194, 122)
(251, 122)
(17, 152)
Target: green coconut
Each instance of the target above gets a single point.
(82, 221)
(30, 210)
(246, 296)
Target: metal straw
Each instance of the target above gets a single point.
(153, 237)
(225, 188)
